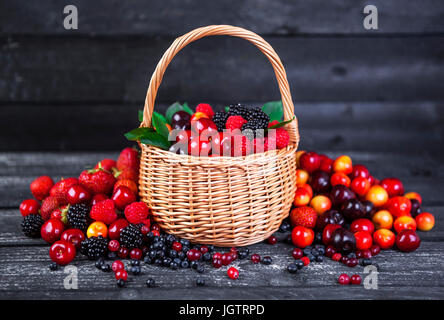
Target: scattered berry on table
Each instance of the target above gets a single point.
(150, 283)
(117, 265)
(267, 260)
(356, 279)
(344, 279)
(272, 240)
(200, 281)
(255, 258)
(31, 225)
(120, 283)
(233, 273)
(121, 274)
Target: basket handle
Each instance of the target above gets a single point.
(216, 30)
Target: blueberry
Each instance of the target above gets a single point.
(111, 255)
(351, 255)
(311, 257)
(315, 252)
(200, 268)
(366, 262)
(148, 260)
(267, 260)
(307, 251)
(206, 256)
(174, 265)
(200, 282)
(292, 268)
(150, 283)
(136, 270)
(166, 262)
(184, 264)
(319, 259)
(299, 263)
(120, 283)
(99, 263)
(106, 267)
(194, 264)
(53, 266)
(135, 262)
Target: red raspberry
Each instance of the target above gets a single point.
(205, 108)
(235, 122)
(241, 146)
(41, 186)
(273, 123)
(282, 138)
(305, 260)
(104, 211)
(136, 212)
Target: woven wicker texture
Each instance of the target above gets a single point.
(225, 201)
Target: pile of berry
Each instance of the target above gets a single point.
(239, 131)
(351, 215)
(340, 211)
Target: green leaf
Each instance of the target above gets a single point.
(176, 106)
(159, 124)
(160, 115)
(227, 108)
(138, 133)
(274, 110)
(140, 115)
(155, 139)
(281, 124)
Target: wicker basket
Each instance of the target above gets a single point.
(224, 201)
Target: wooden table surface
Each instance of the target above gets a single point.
(24, 272)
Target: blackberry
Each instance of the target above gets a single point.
(239, 110)
(94, 247)
(78, 216)
(219, 119)
(31, 225)
(253, 129)
(131, 237)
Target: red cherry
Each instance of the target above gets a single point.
(77, 194)
(362, 225)
(199, 147)
(75, 236)
(98, 198)
(116, 227)
(302, 236)
(62, 252)
(52, 230)
(117, 265)
(399, 206)
(408, 240)
(122, 197)
(310, 161)
(364, 240)
(29, 206)
(326, 164)
(121, 274)
(113, 245)
(233, 273)
(359, 171)
(360, 186)
(136, 254)
(297, 253)
(328, 232)
(344, 279)
(393, 186)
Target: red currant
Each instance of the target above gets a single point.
(272, 240)
(344, 279)
(233, 273)
(330, 251)
(217, 263)
(194, 254)
(117, 265)
(255, 258)
(375, 250)
(136, 254)
(393, 186)
(123, 252)
(176, 246)
(203, 249)
(352, 262)
(297, 253)
(113, 245)
(226, 259)
(336, 257)
(121, 274)
(217, 255)
(305, 260)
(356, 279)
(359, 171)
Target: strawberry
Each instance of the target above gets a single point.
(106, 164)
(97, 181)
(104, 211)
(303, 216)
(127, 174)
(273, 123)
(136, 212)
(50, 204)
(61, 188)
(128, 158)
(40, 187)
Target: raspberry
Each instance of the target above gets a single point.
(136, 212)
(304, 216)
(104, 211)
(282, 138)
(235, 122)
(205, 108)
(241, 146)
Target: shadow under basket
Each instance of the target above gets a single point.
(224, 201)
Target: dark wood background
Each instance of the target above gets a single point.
(81, 89)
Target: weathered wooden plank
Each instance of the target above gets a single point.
(410, 127)
(25, 271)
(319, 69)
(11, 234)
(174, 17)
